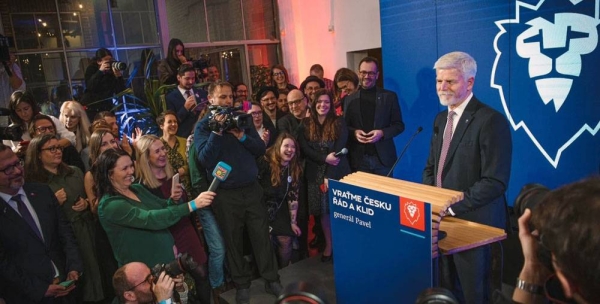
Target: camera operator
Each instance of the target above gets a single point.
(134, 283)
(103, 79)
(563, 227)
(238, 201)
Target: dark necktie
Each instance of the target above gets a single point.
(445, 147)
(26, 215)
(187, 94)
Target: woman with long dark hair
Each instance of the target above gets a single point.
(23, 108)
(135, 220)
(279, 176)
(322, 135)
(167, 68)
(102, 81)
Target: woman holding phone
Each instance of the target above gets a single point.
(154, 172)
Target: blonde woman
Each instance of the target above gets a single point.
(74, 118)
(155, 173)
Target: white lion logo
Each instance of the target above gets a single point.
(412, 212)
(553, 46)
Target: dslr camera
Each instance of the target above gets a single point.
(184, 263)
(233, 118)
(118, 65)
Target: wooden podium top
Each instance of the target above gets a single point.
(461, 235)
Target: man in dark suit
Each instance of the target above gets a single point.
(373, 117)
(471, 152)
(186, 101)
(37, 246)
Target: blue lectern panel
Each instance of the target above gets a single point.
(382, 245)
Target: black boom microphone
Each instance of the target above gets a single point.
(419, 129)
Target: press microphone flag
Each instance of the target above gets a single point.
(220, 173)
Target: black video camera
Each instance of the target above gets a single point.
(201, 66)
(233, 118)
(8, 132)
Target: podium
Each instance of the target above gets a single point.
(385, 235)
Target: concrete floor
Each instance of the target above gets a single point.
(319, 275)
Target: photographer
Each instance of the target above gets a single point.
(103, 79)
(563, 227)
(134, 283)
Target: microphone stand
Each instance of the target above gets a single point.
(419, 129)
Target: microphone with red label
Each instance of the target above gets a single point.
(220, 174)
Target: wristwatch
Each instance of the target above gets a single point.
(529, 287)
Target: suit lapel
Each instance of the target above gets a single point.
(38, 205)
(9, 214)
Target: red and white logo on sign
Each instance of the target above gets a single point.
(412, 213)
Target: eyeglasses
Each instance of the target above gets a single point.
(148, 280)
(278, 74)
(256, 114)
(10, 169)
(53, 149)
(44, 129)
(295, 102)
(365, 73)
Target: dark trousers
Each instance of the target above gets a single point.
(372, 164)
(234, 210)
(467, 275)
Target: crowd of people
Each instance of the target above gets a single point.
(84, 204)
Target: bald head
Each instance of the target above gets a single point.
(297, 103)
(128, 276)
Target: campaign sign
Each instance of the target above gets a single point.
(537, 63)
(382, 245)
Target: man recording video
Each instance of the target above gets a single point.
(237, 205)
(560, 243)
(134, 283)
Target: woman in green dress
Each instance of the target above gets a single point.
(43, 164)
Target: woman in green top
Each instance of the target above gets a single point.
(136, 221)
(43, 164)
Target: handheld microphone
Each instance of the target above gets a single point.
(419, 129)
(220, 173)
(344, 151)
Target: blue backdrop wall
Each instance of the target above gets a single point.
(537, 63)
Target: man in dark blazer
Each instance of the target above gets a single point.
(37, 246)
(470, 152)
(186, 100)
(373, 117)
